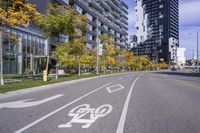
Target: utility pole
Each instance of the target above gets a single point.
(97, 67)
(1, 58)
(197, 52)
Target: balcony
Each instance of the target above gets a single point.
(117, 21)
(84, 2)
(117, 3)
(110, 16)
(113, 5)
(103, 4)
(96, 5)
(115, 14)
(124, 15)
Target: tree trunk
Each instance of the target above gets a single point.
(45, 78)
(79, 68)
(104, 63)
(56, 72)
(1, 59)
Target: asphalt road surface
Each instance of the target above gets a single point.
(143, 102)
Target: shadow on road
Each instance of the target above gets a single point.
(178, 73)
(184, 76)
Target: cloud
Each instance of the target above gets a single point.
(131, 21)
(188, 39)
(189, 13)
(189, 25)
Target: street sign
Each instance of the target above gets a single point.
(100, 49)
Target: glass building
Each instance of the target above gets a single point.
(23, 51)
(157, 24)
(25, 48)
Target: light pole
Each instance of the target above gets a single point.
(197, 52)
(97, 41)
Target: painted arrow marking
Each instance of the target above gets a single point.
(26, 103)
(114, 88)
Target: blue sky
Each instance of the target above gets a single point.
(189, 23)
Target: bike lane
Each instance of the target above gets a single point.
(99, 112)
(20, 110)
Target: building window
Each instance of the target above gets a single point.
(89, 16)
(66, 1)
(89, 36)
(90, 27)
(160, 15)
(161, 6)
(78, 9)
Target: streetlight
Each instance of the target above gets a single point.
(197, 51)
(190, 53)
(97, 67)
(98, 43)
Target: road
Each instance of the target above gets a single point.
(142, 102)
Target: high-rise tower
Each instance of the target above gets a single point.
(157, 24)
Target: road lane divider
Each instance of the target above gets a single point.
(59, 109)
(122, 121)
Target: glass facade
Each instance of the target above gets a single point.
(157, 22)
(22, 52)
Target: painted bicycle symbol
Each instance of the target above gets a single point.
(82, 110)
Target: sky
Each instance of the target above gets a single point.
(189, 24)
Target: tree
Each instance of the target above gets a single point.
(64, 20)
(163, 65)
(88, 61)
(77, 48)
(14, 13)
(129, 56)
(120, 59)
(69, 54)
(145, 62)
(108, 56)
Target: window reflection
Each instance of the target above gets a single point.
(16, 54)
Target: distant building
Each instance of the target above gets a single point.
(132, 42)
(157, 24)
(181, 59)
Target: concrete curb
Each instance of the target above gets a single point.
(44, 87)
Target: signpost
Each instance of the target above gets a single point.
(100, 49)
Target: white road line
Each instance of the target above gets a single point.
(121, 123)
(117, 87)
(27, 103)
(57, 110)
